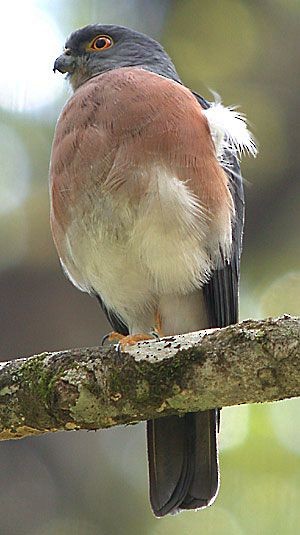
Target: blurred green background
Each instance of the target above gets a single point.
(96, 483)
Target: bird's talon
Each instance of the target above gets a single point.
(133, 339)
(155, 335)
(112, 337)
(104, 339)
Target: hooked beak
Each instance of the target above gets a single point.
(65, 63)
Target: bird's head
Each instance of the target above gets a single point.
(98, 48)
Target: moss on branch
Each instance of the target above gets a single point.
(92, 388)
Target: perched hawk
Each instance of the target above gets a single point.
(147, 214)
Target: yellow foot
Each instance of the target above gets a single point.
(132, 339)
(158, 324)
(129, 340)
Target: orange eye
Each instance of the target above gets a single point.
(100, 42)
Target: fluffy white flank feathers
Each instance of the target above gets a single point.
(229, 130)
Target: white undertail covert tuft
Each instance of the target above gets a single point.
(229, 130)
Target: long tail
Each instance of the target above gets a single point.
(183, 461)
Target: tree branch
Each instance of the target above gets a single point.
(92, 388)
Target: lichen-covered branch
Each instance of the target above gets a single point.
(92, 388)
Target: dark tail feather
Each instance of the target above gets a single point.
(183, 461)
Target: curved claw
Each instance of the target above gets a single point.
(112, 337)
(119, 349)
(104, 338)
(155, 335)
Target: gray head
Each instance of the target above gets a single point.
(99, 48)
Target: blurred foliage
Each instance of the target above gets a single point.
(96, 483)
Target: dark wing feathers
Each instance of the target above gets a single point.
(116, 323)
(222, 291)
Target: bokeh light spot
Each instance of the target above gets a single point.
(28, 47)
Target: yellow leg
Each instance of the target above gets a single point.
(158, 324)
(131, 339)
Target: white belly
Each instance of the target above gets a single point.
(133, 253)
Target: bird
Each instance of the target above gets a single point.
(147, 215)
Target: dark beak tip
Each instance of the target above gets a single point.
(64, 64)
(56, 65)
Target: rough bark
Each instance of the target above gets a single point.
(92, 388)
